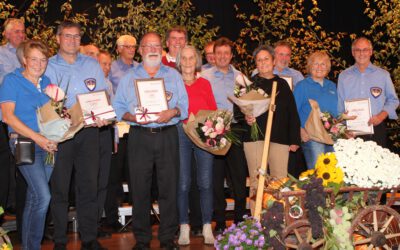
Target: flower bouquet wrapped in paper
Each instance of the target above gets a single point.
(323, 127)
(251, 101)
(211, 131)
(55, 121)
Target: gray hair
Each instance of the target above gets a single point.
(267, 48)
(10, 22)
(353, 44)
(122, 39)
(197, 55)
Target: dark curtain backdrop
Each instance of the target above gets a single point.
(336, 15)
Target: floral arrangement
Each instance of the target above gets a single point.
(251, 101)
(334, 126)
(380, 167)
(56, 130)
(327, 170)
(216, 132)
(247, 234)
(5, 243)
(338, 224)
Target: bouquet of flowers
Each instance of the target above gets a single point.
(367, 164)
(323, 127)
(55, 122)
(248, 234)
(211, 131)
(334, 126)
(5, 243)
(252, 101)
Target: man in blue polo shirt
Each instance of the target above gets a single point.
(222, 78)
(283, 53)
(76, 74)
(366, 80)
(153, 143)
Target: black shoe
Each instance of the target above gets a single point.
(92, 245)
(141, 246)
(101, 234)
(169, 245)
(220, 228)
(196, 231)
(60, 246)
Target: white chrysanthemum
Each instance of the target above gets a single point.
(366, 164)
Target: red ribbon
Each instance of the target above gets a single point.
(93, 115)
(145, 114)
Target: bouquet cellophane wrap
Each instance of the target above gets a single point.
(252, 103)
(190, 130)
(314, 126)
(47, 114)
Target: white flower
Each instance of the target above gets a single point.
(366, 164)
(223, 141)
(212, 135)
(209, 131)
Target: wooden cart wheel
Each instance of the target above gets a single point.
(298, 236)
(376, 227)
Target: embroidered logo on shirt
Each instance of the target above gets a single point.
(168, 95)
(376, 91)
(90, 84)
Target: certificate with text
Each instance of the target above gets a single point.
(95, 105)
(151, 99)
(361, 108)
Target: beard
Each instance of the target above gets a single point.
(152, 59)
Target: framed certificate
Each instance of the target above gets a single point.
(151, 99)
(95, 105)
(362, 109)
(289, 80)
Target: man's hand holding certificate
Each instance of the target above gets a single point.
(152, 100)
(361, 109)
(96, 108)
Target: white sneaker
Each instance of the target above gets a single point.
(184, 238)
(208, 234)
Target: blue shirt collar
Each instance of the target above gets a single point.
(61, 60)
(163, 69)
(371, 68)
(11, 48)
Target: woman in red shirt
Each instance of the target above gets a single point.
(200, 97)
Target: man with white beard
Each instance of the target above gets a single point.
(153, 144)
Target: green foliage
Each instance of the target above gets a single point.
(290, 20)
(104, 27)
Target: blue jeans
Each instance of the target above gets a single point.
(37, 176)
(312, 150)
(204, 166)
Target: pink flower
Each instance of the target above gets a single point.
(338, 220)
(339, 212)
(54, 92)
(211, 142)
(327, 125)
(334, 130)
(208, 123)
(219, 128)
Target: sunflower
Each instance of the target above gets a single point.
(306, 174)
(329, 174)
(328, 159)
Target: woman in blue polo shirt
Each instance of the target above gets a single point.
(20, 95)
(323, 91)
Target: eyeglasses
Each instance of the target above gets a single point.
(365, 50)
(128, 46)
(148, 46)
(70, 36)
(37, 60)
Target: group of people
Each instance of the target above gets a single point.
(159, 153)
